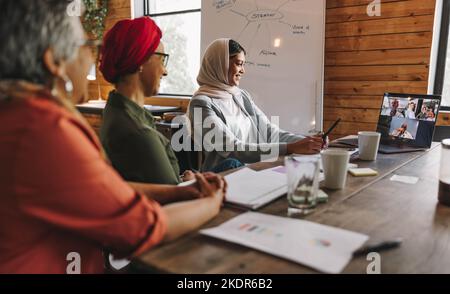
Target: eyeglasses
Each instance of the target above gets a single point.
(164, 59)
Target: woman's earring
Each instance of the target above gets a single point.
(68, 85)
(53, 90)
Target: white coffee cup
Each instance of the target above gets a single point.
(368, 143)
(335, 165)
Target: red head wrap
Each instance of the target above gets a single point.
(127, 46)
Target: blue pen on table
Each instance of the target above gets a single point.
(378, 247)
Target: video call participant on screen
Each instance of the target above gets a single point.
(431, 116)
(423, 113)
(394, 107)
(411, 111)
(402, 132)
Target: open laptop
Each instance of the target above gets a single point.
(406, 123)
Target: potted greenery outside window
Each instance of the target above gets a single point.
(94, 17)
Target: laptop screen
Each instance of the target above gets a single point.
(408, 119)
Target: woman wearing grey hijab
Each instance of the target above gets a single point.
(226, 122)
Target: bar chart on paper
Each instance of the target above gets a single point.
(323, 248)
(249, 228)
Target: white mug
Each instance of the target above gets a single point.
(368, 143)
(335, 165)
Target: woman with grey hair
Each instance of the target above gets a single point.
(59, 198)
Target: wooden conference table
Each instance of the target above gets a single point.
(375, 206)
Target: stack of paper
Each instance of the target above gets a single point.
(253, 189)
(320, 247)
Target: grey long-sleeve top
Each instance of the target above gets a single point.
(210, 130)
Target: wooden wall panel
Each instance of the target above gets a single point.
(379, 57)
(382, 26)
(390, 9)
(345, 3)
(367, 56)
(381, 42)
(444, 119)
(378, 73)
(356, 102)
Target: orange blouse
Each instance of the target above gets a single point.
(58, 195)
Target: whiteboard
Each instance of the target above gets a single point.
(284, 40)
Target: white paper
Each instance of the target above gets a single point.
(405, 179)
(320, 247)
(301, 157)
(253, 189)
(348, 137)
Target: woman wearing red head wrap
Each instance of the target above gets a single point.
(128, 48)
(133, 59)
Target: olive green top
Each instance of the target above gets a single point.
(136, 149)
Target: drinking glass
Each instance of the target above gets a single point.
(303, 184)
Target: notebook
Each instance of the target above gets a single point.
(254, 189)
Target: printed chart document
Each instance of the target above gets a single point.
(320, 247)
(253, 189)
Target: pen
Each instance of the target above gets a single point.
(378, 247)
(324, 136)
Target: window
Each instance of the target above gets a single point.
(442, 81)
(180, 22)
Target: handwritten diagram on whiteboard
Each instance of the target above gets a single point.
(284, 41)
(259, 22)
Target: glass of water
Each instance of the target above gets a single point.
(303, 184)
